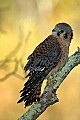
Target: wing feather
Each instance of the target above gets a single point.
(43, 59)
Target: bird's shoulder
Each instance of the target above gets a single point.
(47, 46)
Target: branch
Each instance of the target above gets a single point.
(10, 58)
(49, 96)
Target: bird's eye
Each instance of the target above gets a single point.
(62, 31)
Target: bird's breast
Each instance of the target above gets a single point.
(63, 59)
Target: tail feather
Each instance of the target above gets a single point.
(30, 78)
(31, 83)
(30, 87)
(28, 93)
(34, 97)
(33, 86)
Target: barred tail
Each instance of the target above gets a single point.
(32, 89)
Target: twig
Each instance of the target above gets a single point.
(10, 58)
(49, 96)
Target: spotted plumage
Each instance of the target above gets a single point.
(47, 58)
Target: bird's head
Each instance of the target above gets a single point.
(63, 31)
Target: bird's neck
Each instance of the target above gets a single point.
(64, 45)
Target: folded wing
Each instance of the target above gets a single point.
(44, 58)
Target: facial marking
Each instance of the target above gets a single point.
(65, 36)
(58, 33)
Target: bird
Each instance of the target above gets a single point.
(46, 59)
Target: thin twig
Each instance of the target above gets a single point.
(10, 58)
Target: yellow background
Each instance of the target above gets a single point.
(23, 25)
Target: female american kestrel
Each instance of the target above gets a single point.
(47, 58)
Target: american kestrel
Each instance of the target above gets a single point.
(47, 58)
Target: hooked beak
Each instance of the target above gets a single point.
(54, 32)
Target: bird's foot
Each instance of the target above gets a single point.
(50, 83)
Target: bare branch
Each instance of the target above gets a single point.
(10, 58)
(12, 72)
(49, 96)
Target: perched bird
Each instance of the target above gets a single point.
(47, 58)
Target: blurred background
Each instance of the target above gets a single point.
(23, 25)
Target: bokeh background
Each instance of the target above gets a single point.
(23, 25)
